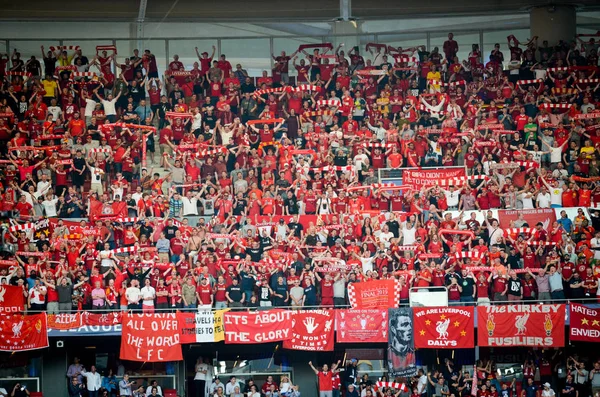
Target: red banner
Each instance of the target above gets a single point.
(430, 177)
(545, 215)
(521, 325)
(95, 319)
(20, 333)
(362, 325)
(257, 327)
(64, 321)
(312, 330)
(584, 323)
(444, 327)
(374, 294)
(150, 337)
(11, 299)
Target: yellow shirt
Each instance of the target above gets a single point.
(588, 151)
(437, 76)
(65, 62)
(50, 87)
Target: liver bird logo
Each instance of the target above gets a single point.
(442, 328)
(521, 324)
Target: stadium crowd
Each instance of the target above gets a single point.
(196, 186)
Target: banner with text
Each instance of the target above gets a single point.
(418, 178)
(11, 299)
(150, 337)
(361, 325)
(401, 344)
(203, 326)
(521, 325)
(546, 216)
(64, 321)
(444, 327)
(20, 333)
(584, 323)
(374, 294)
(312, 330)
(257, 327)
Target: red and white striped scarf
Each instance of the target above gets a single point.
(109, 47)
(22, 74)
(587, 81)
(303, 87)
(558, 69)
(490, 126)
(462, 179)
(526, 82)
(177, 115)
(83, 74)
(564, 106)
(100, 150)
(268, 91)
(519, 230)
(394, 385)
(65, 48)
(378, 145)
(25, 226)
(544, 243)
(328, 102)
(469, 254)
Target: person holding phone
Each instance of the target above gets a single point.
(19, 390)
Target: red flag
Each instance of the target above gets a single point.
(444, 327)
(584, 323)
(20, 333)
(362, 325)
(258, 327)
(64, 321)
(374, 294)
(521, 325)
(95, 319)
(312, 330)
(11, 299)
(150, 337)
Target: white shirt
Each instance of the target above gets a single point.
(199, 374)
(359, 160)
(452, 197)
(133, 294)
(543, 200)
(197, 122)
(55, 111)
(408, 235)
(190, 206)
(109, 107)
(367, 264)
(595, 243)
(556, 196)
(94, 381)
(385, 238)
(422, 384)
(50, 207)
(230, 388)
(90, 105)
(36, 296)
(96, 174)
(148, 294)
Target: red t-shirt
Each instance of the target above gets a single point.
(325, 381)
(205, 293)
